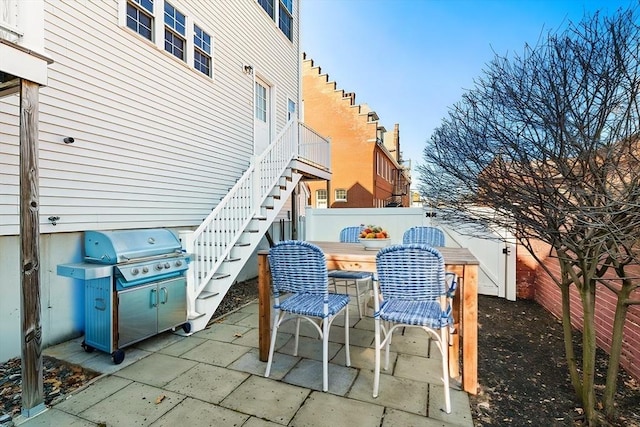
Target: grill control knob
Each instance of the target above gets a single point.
(145, 270)
(135, 271)
(167, 265)
(158, 267)
(178, 263)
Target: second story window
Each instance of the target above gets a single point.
(201, 51)
(267, 5)
(286, 17)
(140, 17)
(174, 31)
(282, 14)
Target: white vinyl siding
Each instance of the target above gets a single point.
(157, 144)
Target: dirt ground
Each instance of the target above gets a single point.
(523, 373)
(521, 369)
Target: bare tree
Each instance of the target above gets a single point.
(549, 140)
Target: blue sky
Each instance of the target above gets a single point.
(410, 60)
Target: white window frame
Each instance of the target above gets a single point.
(322, 191)
(203, 47)
(139, 6)
(279, 8)
(175, 26)
(291, 109)
(340, 195)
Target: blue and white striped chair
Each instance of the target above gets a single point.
(361, 280)
(413, 293)
(431, 236)
(300, 269)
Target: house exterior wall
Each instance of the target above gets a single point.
(157, 144)
(355, 154)
(548, 295)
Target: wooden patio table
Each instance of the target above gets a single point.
(353, 257)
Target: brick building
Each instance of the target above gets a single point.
(366, 164)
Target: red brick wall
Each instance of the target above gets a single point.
(547, 294)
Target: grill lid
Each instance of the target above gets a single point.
(113, 247)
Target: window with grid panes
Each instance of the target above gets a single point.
(140, 17)
(286, 17)
(283, 14)
(267, 5)
(201, 51)
(174, 31)
(261, 102)
(341, 195)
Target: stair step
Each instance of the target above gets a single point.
(260, 217)
(234, 259)
(218, 276)
(207, 295)
(196, 315)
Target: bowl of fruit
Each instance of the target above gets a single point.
(374, 237)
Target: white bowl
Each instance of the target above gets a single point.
(375, 243)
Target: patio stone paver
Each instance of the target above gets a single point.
(55, 417)
(191, 412)
(364, 358)
(234, 318)
(181, 347)
(92, 394)
(359, 337)
(222, 332)
(250, 362)
(411, 343)
(309, 348)
(266, 398)
(207, 382)
(418, 368)
(460, 410)
(325, 409)
(250, 339)
(308, 373)
(397, 418)
(135, 405)
(258, 422)
(158, 342)
(216, 353)
(399, 393)
(156, 369)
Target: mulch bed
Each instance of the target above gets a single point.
(521, 366)
(59, 379)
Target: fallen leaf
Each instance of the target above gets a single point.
(160, 398)
(53, 381)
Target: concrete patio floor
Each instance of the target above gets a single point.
(214, 378)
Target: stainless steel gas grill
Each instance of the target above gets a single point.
(135, 287)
